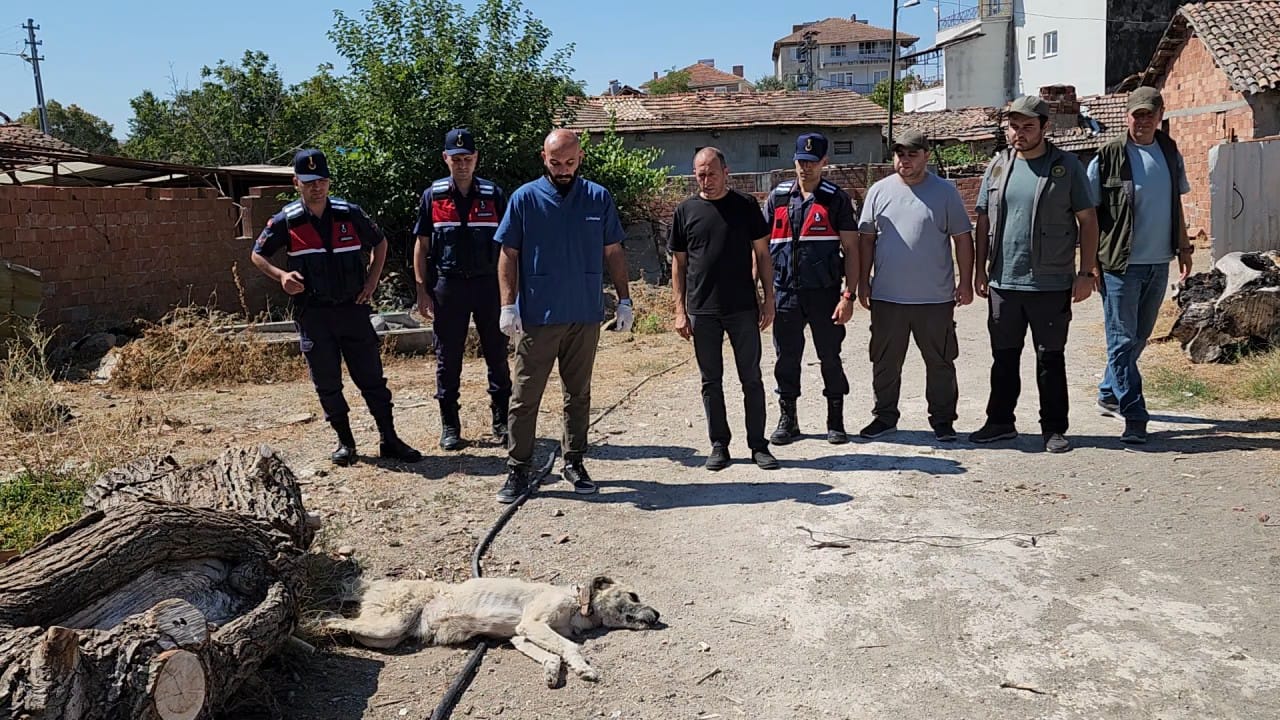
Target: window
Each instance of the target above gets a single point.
(879, 76)
(840, 79)
(838, 51)
(768, 151)
(993, 7)
(1051, 43)
(844, 147)
(722, 88)
(1031, 48)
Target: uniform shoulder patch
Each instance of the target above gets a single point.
(784, 187)
(292, 210)
(1058, 171)
(829, 186)
(440, 185)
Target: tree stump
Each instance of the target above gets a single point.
(1232, 310)
(146, 608)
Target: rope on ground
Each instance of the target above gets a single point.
(463, 680)
(938, 541)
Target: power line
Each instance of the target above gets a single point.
(35, 59)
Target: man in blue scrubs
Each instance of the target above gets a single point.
(555, 234)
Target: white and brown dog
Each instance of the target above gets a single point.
(538, 618)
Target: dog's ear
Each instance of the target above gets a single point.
(587, 594)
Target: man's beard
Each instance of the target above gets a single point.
(564, 181)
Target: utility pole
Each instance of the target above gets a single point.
(893, 67)
(35, 59)
(808, 48)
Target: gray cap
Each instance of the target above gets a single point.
(1144, 98)
(912, 139)
(1028, 105)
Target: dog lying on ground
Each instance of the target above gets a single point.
(537, 618)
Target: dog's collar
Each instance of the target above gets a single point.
(584, 600)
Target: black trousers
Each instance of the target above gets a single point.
(457, 301)
(743, 329)
(797, 309)
(329, 335)
(1048, 314)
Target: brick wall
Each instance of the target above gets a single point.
(1193, 80)
(108, 255)
(259, 205)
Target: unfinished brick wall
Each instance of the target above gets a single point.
(108, 255)
(259, 205)
(1192, 80)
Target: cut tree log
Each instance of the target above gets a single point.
(149, 609)
(1230, 311)
(254, 482)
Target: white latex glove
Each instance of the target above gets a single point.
(509, 321)
(626, 316)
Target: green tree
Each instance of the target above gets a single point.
(957, 155)
(675, 81)
(75, 125)
(421, 67)
(629, 175)
(770, 82)
(239, 114)
(880, 94)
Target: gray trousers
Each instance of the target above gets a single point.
(573, 346)
(934, 329)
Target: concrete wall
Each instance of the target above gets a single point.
(742, 147)
(1266, 114)
(1244, 185)
(1202, 110)
(928, 100)
(824, 65)
(109, 255)
(975, 68)
(1082, 45)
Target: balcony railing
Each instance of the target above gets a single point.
(984, 9)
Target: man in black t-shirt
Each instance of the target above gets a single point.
(714, 235)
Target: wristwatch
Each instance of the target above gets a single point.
(624, 301)
(847, 295)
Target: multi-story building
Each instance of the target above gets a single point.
(840, 52)
(989, 51)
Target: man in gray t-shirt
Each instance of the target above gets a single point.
(909, 222)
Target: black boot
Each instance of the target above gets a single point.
(392, 447)
(450, 426)
(345, 453)
(499, 407)
(835, 421)
(788, 430)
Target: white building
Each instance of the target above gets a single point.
(987, 52)
(848, 53)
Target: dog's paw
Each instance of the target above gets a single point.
(589, 674)
(551, 673)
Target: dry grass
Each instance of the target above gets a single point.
(655, 311)
(1174, 380)
(186, 350)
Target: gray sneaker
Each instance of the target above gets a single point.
(1056, 443)
(1107, 409)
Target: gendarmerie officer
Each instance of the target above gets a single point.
(455, 262)
(814, 245)
(330, 283)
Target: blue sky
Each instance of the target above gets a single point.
(100, 54)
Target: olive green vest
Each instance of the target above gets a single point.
(1116, 206)
(1054, 232)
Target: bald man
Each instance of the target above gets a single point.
(554, 235)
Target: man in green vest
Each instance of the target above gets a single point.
(1034, 208)
(1138, 181)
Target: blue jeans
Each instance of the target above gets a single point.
(1130, 304)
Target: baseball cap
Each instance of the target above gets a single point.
(811, 146)
(1144, 98)
(310, 165)
(459, 141)
(1028, 105)
(911, 139)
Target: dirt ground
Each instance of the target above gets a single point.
(1127, 583)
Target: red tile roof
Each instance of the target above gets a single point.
(842, 30)
(693, 111)
(703, 76)
(975, 124)
(981, 124)
(1242, 36)
(19, 135)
